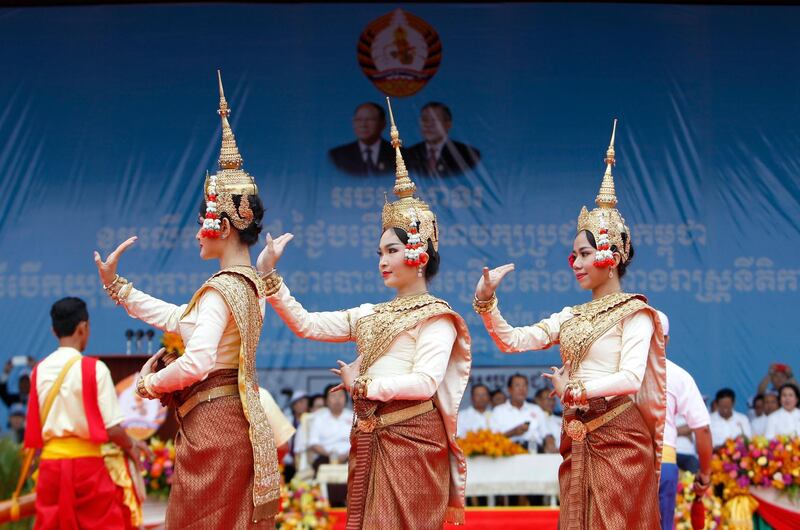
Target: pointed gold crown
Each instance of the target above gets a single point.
(606, 216)
(230, 179)
(407, 210)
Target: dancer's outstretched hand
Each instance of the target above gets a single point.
(490, 280)
(108, 269)
(272, 252)
(347, 373)
(559, 378)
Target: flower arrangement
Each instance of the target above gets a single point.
(488, 443)
(173, 343)
(684, 500)
(158, 471)
(744, 462)
(303, 508)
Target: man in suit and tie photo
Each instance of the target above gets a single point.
(438, 155)
(370, 155)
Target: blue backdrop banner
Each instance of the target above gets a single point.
(108, 124)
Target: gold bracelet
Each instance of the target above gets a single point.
(272, 282)
(124, 292)
(582, 399)
(112, 284)
(566, 398)
(141, 389)
(360, 387)
(484, 306)
(148, 388)
(119, 289)
(574, 394)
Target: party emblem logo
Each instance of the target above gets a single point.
(399, 52)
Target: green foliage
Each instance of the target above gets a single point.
(10, 465)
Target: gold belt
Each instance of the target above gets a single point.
(374, 422)
(577, 430)
(207, 395)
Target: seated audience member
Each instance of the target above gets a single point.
(777, 376)
(518, 419)
(726, 423)
(16, 422)
(329, 433)
(24, 365)
(498, 397)
(758, 418)
(550, 433)
(317, 402)
(785, 420)
(476, 417)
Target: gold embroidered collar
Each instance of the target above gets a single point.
(406, 303)
(591, 320)
(375, 332)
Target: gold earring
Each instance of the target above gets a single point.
(610, 272)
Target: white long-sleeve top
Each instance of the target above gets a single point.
(615, 363)
(209, 333)
(783, 422)
(412, 368)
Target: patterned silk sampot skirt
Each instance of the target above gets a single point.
(212, 486)
(399, 475)
(608, 481)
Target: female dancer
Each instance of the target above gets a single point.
(226, 468)
(613, 350)
(406, 470)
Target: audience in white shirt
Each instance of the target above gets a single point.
(726, 423)
(770, 404)
(519, 420)
(476, 417)
(329, 431)
(785, 420)
(498, 397)
(550, 430)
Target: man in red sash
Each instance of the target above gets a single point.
(72, 410)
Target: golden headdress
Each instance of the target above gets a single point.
(228, 181)
(605, 222)
(409, 213)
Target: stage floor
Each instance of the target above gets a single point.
(522, 518)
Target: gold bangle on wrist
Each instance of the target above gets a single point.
(149, 388)
(144, 389)
(567, 398)
(112, 284)
(141, 389)
(119, 289)
(360, 387)
(582, 398)
(272, 282)
(484, 306)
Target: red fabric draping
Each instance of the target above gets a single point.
(492, 518)
(778, 517)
